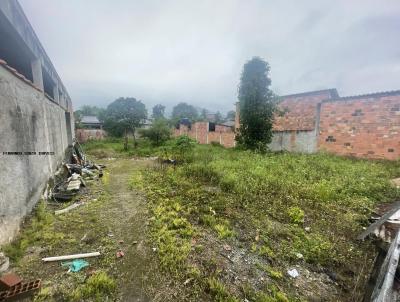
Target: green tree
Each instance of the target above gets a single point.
(257, 105)
(124, 115)
(184, 110)
(159, 132)
(230, 116)
(218, 118)
(158, 112)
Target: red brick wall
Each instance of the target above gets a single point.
(363, 127)
(301, 113)
(199, 131)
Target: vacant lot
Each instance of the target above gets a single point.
(230, 224)
(218, 225)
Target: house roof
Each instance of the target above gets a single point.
(90, 119)
(368, 95)
(228, 123)
(332, 91)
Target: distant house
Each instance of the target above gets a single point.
(91, 122)
(91, 129)
(146, 123)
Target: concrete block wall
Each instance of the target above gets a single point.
(30, 122)
(364, 126)
(302, 141)
(83, 135)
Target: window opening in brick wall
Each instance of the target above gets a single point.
(390, 150)
(211, 127)
(358, 112)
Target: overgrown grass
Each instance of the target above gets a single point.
(41, 229)
(278, 205)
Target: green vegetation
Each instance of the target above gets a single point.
(123, 116)
(257, 105)
(159, 132)
(41, 228)
(283, 208)
(97, 287)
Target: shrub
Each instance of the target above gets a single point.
(158, 134)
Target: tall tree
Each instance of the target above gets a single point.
(257, 105)
(184, 110)
(124, 115)
(158, 112)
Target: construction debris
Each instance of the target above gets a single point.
(383, 290)
(9, 280)
(395, 207)
(68, 257)
(4, 263)
(67, 209)
(71, 177)
(20, 291)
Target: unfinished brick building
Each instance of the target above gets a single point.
(207, 132)
(362, 126)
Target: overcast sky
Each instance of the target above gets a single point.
(193, 51)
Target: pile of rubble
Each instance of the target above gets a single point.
(71, 177)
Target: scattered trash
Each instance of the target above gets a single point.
(154, 249)
(187, 281)
(227, 247)
(110, 234)
(20, 291)
(121, 241)
(68, 257)
(299, 256)
(69, 208)
(134, 242)
(120, 254)
(76, 265)
(293, 273)
(4, 263)
(9, 280)
(84, 237)
(396, 182)
(307, 229)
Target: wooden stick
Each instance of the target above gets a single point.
(68, 257)
(67, 209)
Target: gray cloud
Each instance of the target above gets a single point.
(193, 51)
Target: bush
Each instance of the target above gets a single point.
(183, 148)
(158, 134)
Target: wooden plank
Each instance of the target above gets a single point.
(384, 284)
(380, 221)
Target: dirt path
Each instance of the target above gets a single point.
(114, 217)
(126, 213)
